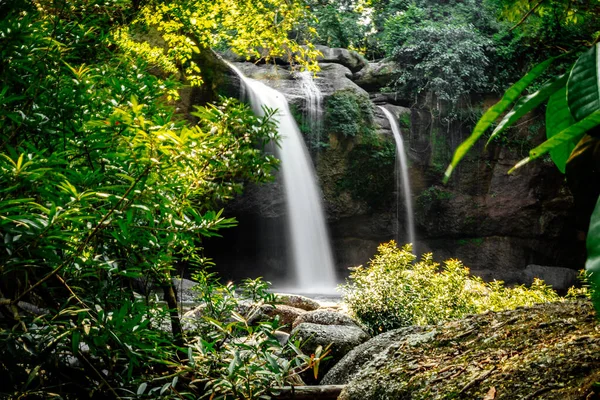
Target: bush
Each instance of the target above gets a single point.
(394, 291)
(447, 59)
(349, 114)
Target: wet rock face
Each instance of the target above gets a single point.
(496, 223)
(549, 351)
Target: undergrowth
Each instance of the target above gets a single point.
(393, 291)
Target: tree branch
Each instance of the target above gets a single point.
(527, 15)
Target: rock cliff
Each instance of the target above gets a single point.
(497, 224)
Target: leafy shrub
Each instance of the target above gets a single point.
(233, 358)
(349, 114)
(394, 291)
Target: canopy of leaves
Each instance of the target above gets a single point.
(105, 186)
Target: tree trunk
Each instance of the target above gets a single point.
(324, 392)
(171, 299)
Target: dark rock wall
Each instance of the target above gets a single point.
(497, 224)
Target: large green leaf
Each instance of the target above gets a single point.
(559, 118)
(583, 87)
(528, 103)
(494, 112)
(571, 134)
(592, 264)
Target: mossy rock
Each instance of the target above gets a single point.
(548, 351)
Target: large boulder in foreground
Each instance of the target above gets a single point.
(548, 351)
(356, 359)
(342, 339)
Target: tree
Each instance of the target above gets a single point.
(103, 185)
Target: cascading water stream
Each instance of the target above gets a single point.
(310, 249)
(313, 113)
(403, 183)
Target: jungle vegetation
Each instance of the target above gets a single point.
(108, 184)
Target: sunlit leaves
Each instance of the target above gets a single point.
(395, 290)
(101, 184)
(509, 97)
(583, 88)
(170, 34)
(558, 117)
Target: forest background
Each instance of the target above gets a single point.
(106, 182)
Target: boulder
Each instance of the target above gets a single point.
(356, 359)
(341, 338)
(287, 315)
(559, 278)
(549, 351)
(325, 317)
(297, 301)
(334, 77)
(377, 75)
(348, 58)
(184, 289)
(281, 336)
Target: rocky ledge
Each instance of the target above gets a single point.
(549, 351)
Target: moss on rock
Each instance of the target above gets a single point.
(548, 351)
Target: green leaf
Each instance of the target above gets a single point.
(592, 264)
(583, 87)
(558, 118)
(75, 342)
(141, 389)
(572, 134)
(494, 112)
(528, 103)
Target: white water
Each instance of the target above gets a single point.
(403, 182)
(314, 98)
(310, 249)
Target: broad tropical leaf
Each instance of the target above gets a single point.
(571, 134)
(559, 118)
(592, 264)
(528, 103)
(494, 112)
(583, 87)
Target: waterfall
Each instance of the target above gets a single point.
(402, 181)
(310, 249)
(313, 113)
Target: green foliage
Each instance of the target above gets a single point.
(494, 112)
(187, 27)
(449, 49)
(592, 265)
(370, 172)
(433, 194)
(395, 291)
(103, 186)
(551, 24)
(349, 114)
(337, 25)
(233, 356)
